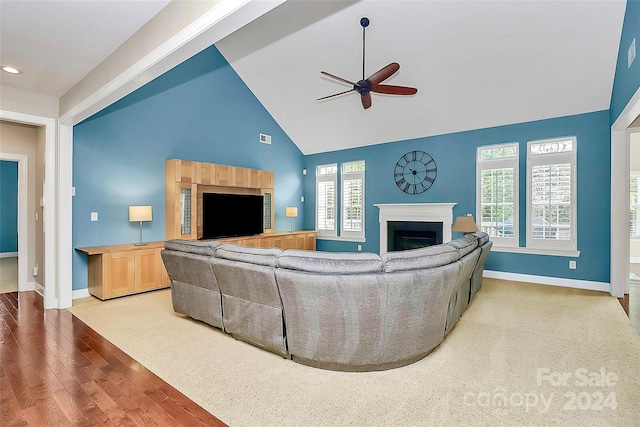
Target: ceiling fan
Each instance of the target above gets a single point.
(373, 84)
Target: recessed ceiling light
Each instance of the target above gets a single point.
(10, 70)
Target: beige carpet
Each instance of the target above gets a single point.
(8, 275)
(522, 354)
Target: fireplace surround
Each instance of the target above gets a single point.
(414, 212)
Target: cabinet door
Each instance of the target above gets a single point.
(119, 273)
(148, 269)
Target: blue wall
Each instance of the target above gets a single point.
(456, 182)
(627, 80)
(200, 110)
(9, 206)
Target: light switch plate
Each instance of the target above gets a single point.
(94, 216)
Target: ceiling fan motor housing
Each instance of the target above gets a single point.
(363, 87)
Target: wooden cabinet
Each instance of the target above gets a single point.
(283, 240)
(186, 180)
(119, 270)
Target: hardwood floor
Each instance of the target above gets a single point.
(55, 370)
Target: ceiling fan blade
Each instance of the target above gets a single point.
(383, 73)
(335, 94)
(394, 90)
(337, 78)
(366, 100)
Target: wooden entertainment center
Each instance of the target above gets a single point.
(118, 270)
(187, 180)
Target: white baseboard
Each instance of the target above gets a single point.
(8, 254)
(35, 286)
(80, 293)
(553, 281)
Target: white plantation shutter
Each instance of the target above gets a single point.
(326, 180)
(551, 216)
(353, 200)
(352, 203)
(497, 193)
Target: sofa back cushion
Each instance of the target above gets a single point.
(259, 256)
(330, 262)
(198, 247)
(465, 244)
(416, 259)
(482, 237)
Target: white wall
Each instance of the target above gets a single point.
(20, 101)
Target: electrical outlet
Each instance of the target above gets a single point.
(94, 216)
(572, 264)
(35, 270)
(302, 199)
(359, 247)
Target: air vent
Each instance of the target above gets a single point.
(265, 139)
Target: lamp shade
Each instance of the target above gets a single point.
(291, 212)
(140, 213)
(465, 224)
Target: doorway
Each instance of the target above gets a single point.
(8, 226)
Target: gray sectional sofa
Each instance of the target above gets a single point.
(332, 310)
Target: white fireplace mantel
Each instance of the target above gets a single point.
(424, 212)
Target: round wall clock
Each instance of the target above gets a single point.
(415, 172)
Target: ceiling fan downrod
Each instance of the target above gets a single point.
(365, 23)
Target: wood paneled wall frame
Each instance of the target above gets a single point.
(187, 180)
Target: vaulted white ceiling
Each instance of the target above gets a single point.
(476, 64)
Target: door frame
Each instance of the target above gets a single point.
(51, 283)
(620, 170)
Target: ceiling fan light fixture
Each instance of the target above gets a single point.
(365, 86)
(10, 70)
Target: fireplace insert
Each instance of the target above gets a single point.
(403, 235)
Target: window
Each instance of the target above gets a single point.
(497, 192)
(353, 200)
(634, 198)
(551, 207)
(326, 182)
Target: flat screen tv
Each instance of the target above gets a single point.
(230, 215)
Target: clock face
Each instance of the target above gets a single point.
(415, 172)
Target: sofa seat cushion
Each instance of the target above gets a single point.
(330, 262)
(199, 247)
(416, 259)
(259, 256)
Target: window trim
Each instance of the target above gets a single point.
(547, 245)
(330, 177)
(348, 234)
(502, 163)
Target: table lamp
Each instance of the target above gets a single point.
(291, 212)
(140, 214)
